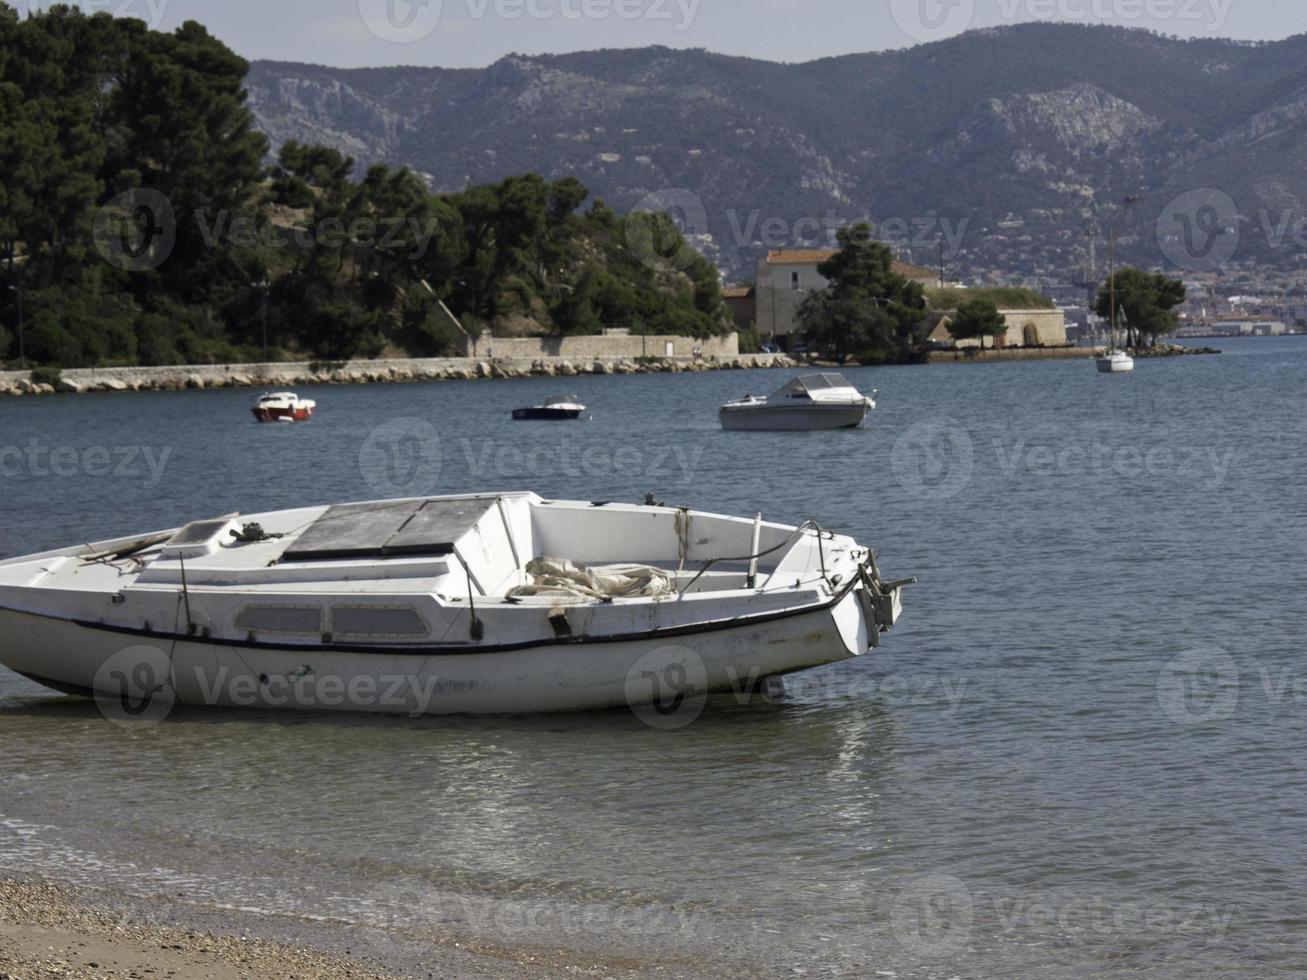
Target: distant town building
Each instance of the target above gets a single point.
(787, 277)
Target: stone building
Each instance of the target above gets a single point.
(1025, 328)
(787, 277)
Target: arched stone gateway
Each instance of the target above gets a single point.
(1030, 335)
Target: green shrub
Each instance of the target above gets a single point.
(46, 376)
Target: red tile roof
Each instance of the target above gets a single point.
(800, 256)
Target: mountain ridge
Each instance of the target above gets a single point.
(1028, 134)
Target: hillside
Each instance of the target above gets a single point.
(1018, 137)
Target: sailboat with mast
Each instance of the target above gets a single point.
(1114, 360)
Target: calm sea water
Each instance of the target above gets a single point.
(1082, 751)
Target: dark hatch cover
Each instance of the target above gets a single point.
(388, 530)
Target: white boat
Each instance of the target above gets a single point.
(1115, 361)
(553, 410)
(283, 406)
(812, 401)
(447, 605)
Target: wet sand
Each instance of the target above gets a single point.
(49, 931)
(46, 931)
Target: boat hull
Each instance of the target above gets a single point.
(282, 414)
(546, 414)
(1115, 365)
(562, 677)
(798, 418)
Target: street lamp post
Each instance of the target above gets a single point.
(17, 290)
(263, 315)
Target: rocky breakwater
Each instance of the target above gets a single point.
(291, 375)
(1171, 350)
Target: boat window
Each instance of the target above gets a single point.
(377, 621)
(280, 619)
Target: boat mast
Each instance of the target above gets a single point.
(1111, 280)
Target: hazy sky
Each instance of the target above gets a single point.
(466, 33)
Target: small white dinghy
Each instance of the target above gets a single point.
(447, 605)
(810, 402)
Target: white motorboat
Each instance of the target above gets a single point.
(283, 406)
(1115, 361)
(812, 401)
(558, 409)
(448, 605)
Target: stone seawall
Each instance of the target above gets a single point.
(973, 354)
(288, 374)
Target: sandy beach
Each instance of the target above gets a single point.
(49, 931)
(46, 931)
